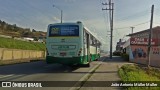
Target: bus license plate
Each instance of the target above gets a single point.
(62, 53)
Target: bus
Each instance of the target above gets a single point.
(71, 44)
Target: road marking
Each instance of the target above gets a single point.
(77, 85)
(11, 77)
(7, 76)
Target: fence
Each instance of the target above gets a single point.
(17, 54)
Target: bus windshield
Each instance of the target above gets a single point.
(63, 30)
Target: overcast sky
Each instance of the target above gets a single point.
(37, 14)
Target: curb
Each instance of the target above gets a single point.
(79, 84)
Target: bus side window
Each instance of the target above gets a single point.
(91, 40)
(96, 43)
(84, 37)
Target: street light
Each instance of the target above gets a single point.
(60, 10)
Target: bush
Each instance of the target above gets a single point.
(117, 53)
(125, 57)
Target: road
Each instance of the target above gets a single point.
(40, 71)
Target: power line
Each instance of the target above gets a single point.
(141, 23)
(106, 20)
(139, 14)
(133, 25)
(121, 28)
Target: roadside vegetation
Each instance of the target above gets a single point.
(136, 73)
(17, 44)
(115, 53)
(16, 31)
(123, 55)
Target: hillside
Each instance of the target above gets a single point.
(16, 31)
(18, 44)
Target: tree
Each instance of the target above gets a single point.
(3, 25)
(15, 28)
(33, 30)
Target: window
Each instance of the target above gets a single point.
(91, 40)
(84, 37)
(64, 30)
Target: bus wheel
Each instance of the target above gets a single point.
(86, 65)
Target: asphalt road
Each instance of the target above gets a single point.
(40, 71)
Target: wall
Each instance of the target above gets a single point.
(155, 56)
(142, 57)
(17, 54)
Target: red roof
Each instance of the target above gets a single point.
(155, 28)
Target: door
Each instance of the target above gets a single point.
(88, 46)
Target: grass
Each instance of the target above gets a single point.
(135, 73)
(17, 44)
(155, 72)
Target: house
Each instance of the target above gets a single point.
(137, 47)
(119, 46)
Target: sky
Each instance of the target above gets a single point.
(37, 14)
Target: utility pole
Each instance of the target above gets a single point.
(110, 8)
(61, 15)
(60, 10)
(132, 29)
(150, 36)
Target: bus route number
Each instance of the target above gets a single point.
(54, 30)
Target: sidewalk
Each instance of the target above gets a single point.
(108, 71)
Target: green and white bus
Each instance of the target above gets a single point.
(71, 44)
